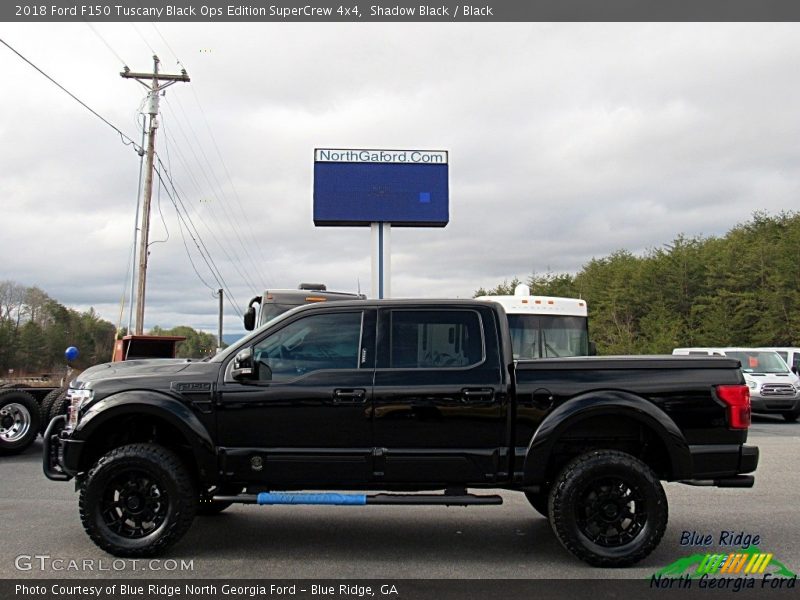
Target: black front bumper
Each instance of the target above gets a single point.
(60, 455)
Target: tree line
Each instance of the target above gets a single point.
(742, 289)
(35, 330)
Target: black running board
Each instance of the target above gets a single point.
(334, 499)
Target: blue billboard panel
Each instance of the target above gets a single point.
(402, 187)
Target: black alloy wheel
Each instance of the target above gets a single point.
(611, 512)
(137, 500)
(608, 508)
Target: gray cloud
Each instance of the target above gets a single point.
(567, 142)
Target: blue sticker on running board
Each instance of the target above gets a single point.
(300, 498)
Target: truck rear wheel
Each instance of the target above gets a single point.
(19, 421)
(137, 500)
(58, 406)
(47, 404)
(608, 508)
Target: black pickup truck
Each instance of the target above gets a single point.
(399, 396)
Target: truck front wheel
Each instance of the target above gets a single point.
(608, 508)
(137, 500)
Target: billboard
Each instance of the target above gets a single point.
(407, 188)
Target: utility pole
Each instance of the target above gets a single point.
(152, 82)
(219, 337)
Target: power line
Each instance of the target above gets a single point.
(177, 60)
(204, 253)
(256, 265)
(236, 262)
(125, 139)
(107, 45)
(139, 33)
(228, 175)
(216, 185)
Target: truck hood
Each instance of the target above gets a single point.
(132, 368)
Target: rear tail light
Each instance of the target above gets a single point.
(737, 399)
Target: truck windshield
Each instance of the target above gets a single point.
(760, 362)
(547, 336)
(270, 310)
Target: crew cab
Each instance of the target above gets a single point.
(391, 397)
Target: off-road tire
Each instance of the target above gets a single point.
(20, 419)
(47, 404)
(208, 508)
(539, 501)
(154, 477)
(59, 406)
(791, 417)
(600, 490)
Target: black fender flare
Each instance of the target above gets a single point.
(159, 405)
(600, 403)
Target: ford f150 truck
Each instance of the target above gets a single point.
(394, 397)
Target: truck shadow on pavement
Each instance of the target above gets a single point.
(438, 534)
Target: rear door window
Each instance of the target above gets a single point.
(421, 339)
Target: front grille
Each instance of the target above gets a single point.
(777, 389)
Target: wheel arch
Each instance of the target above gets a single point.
(622, 408)
(134, 416)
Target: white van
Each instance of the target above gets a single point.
(791, 356)
(773, 387)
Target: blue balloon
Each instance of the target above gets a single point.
(71, 353)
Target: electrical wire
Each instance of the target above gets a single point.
(235, 262)
(163, 39)
(215, 186)
(163, 221)
(211, 207)
(125, 139)
(204, 253)
(107, 45)
(234, 223)
(228, 175)
(146, 43)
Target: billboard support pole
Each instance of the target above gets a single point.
(381, 259)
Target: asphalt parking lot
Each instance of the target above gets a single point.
(40, 518)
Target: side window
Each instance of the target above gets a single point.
(315, 342)
(432, 339)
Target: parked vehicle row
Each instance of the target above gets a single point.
(774, 386)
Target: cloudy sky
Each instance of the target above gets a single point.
(567, 142)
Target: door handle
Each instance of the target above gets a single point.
(477, 394)
(356, 396)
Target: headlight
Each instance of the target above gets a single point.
(77, 399)
(753, 385)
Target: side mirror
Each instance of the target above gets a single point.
(243, 365)
(250, 319)
(592, 349)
